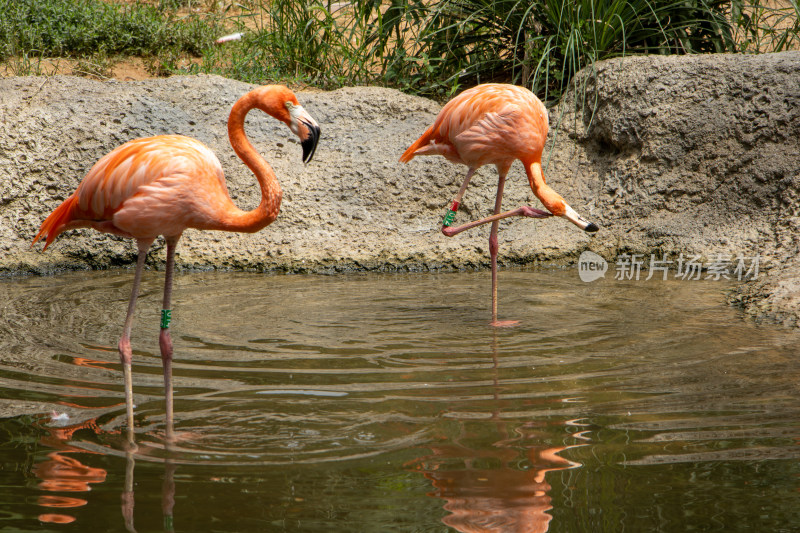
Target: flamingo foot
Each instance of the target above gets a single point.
(449, 231)
(532, 212)
(504, 323)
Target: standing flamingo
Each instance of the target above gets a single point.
(495, 124)
(163, 185)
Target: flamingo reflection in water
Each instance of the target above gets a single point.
(501, 487)
(167, 492)
(485, 493)
(61, 473)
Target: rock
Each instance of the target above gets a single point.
(694, 154)
(697, 155)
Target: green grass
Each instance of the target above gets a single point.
(542, 44)
(307, 42)
(35, 29)
(767, 26)
(434, 48)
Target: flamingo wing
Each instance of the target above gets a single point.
(495, 137)
(124, 173)
(497, 123)
(485, 124)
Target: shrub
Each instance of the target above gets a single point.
(66, 28)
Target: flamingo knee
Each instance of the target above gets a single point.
(493, 245)
(125, 352)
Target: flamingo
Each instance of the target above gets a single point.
(495, 124)
(165, 184)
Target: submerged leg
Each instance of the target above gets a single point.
(125, 354)
(127, 497)
(164, 338)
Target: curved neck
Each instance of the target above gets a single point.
(271, 194)
(549, 198)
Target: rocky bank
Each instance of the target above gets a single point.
(697, 155)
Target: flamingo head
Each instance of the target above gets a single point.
(556, 205)
(305, 127)
(280, 102)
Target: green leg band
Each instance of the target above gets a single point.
(448, 218)
(166, 318)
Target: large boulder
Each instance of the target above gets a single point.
(696, 155)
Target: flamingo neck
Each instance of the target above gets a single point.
(549, 198)
(271, 194)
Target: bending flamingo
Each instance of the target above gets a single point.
(495, 124)
(163, 185)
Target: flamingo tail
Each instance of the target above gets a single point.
(55, 222)
(424, 139)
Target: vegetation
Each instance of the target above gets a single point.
(93, 31)
(307, 40)
(424, 46)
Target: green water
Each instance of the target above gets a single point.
(385, 403)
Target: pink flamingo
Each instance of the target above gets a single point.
(163, 185)
(495, 124)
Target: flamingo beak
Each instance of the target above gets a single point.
(571, 215)
(309, 144)
(306, 128)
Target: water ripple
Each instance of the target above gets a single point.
(303, 369)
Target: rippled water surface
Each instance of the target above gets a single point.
(385, 403)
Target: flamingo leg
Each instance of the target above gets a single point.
(524, 211)
(164, 338)
(125, 353)
(451, 214)
(168, 494)
(128, 499)
(493, 249)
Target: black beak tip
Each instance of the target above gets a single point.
(591, 228)
(310, 143)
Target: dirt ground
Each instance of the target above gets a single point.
(128, 69)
